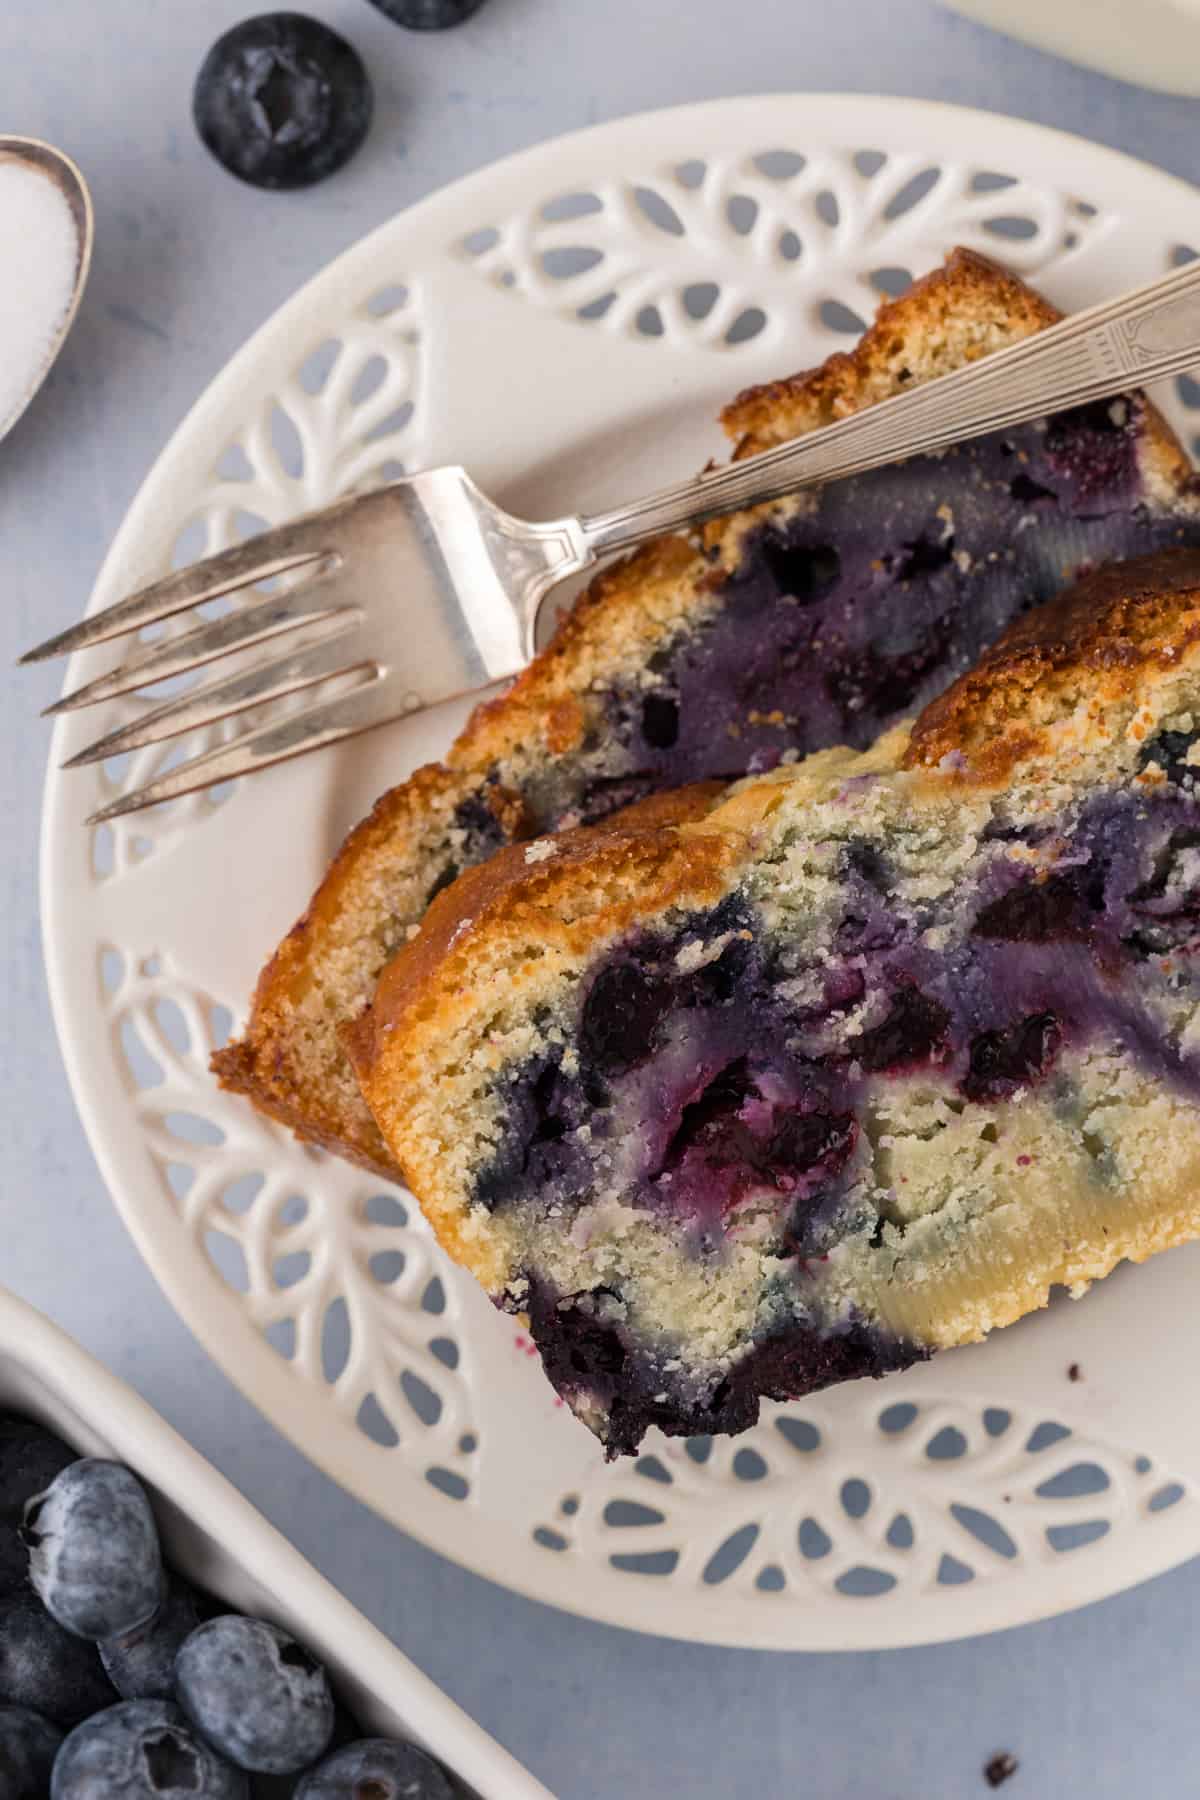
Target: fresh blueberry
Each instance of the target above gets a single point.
(141, 1665)
(256, 1695)
(28, 1746)
(30, 1458)
(380, 1768)
(283, 1787)
(45, 1667)
(142, 1750)
(428, 15)
(93, 1550)
(282, 101)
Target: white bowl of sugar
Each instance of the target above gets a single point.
(45, 250)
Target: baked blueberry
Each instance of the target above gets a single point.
(46, 1668)
(256, 1695)
(428, 15)
(282, 101)
(381, 1768)
(30, 1458)
(93, 1548)
(141, 1664)
(28, 1746)
(142, 1750)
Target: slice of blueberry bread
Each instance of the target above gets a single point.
(854, 1068)
(816, 621)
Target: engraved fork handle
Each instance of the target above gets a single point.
(1142, 336)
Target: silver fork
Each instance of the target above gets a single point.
(425, 589)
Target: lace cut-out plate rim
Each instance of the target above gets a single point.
(738, 240)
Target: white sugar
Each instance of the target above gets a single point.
(39, 253)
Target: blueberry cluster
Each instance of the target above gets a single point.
(117, 1678)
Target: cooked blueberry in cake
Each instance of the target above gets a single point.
(856, 1067)
(821, 620)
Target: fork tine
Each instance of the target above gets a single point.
(259, 559)
(204, 705)
(269, 617)
(324, 722)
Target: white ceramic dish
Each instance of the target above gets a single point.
(568, 325)
(218, 1540)
(1153, 42)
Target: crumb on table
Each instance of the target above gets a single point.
(1000, 1768)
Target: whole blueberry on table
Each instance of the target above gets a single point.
(46, 1668)
(30, 1458)
(255, 1694)
(28, 1746)
(93, 1548)
(141, 1665)
(379, 1768)
(142, 1750)
(282, 101)
(428, 15)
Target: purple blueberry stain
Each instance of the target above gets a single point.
(866, 605)
(590, 1356)
(915, 1031)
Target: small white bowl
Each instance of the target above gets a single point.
(219, 1541)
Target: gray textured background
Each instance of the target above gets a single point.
(1104, 1703)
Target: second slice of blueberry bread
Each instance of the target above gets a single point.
(857, 1067)
(816, 621)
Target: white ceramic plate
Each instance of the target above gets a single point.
(567, 325)
(217, 1539)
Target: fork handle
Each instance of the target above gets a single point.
(1143, 336)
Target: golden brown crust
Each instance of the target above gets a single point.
(675, 806)
(969, 304)
(267, 1064)
(1090, 643)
